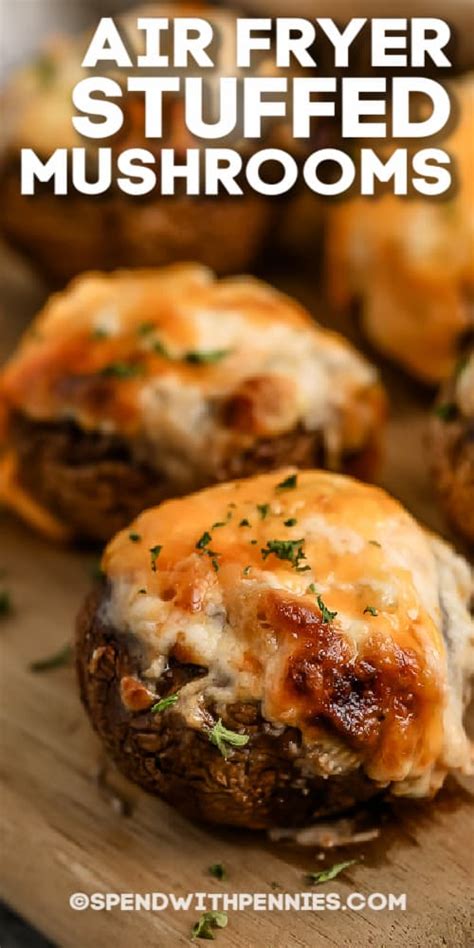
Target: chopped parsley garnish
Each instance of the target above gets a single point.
(252, 542)
(46, 69)
(326, 613)
(164, 703)
(160, 349)
(208, 921)
(375, 543)
(264, 510)
(142, 592)
(203, 545)
(6, 607)
(325, 875)
(206, 356)
(246, 570)
(56, 660)
(291, 550)
(154, 554)
(222, 737)
(204, 541)
(217, 871)
(291, 522)
(447, 411)
(372, 610)
(122, 370)
(312, 589)
(223, 523)
(289, 483)
(145, 329)
(155, 345)
(462, 364)
(134, 537)
(99, 333)
(245, 523)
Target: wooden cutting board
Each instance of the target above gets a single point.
(63, 831)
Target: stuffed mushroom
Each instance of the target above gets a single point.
(452, 442)
(271, 650)
(141, 385)
(63, 236)
(408, 263)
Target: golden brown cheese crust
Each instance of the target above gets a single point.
(318, 597)
(411, 262)
(191, 371)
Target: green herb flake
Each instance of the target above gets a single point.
(146, 329)
(375, 543)
(142, 592)
(326, 613)
(290, 550)
(264, 510)
(203, 541)
(222, 737)
(371, 610)
(154, 554)
(223, 523)
(312, 589)
(462, 364)
(160, 349)
(246, 570)
(164, 703)
(56, 660)
(134, 537)
(447, 411)
(289, 483)
(291, 522)
(245, 523)
(99, 333)
(6, 607)
(217, 871)
(325, 875)
(215, 564)
(206, 357)
(208, 921)
(122, 370)
(45, 68)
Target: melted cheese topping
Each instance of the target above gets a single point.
(411, 262)
(191, 370)
(319, 597)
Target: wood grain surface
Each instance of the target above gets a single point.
(63, 831)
